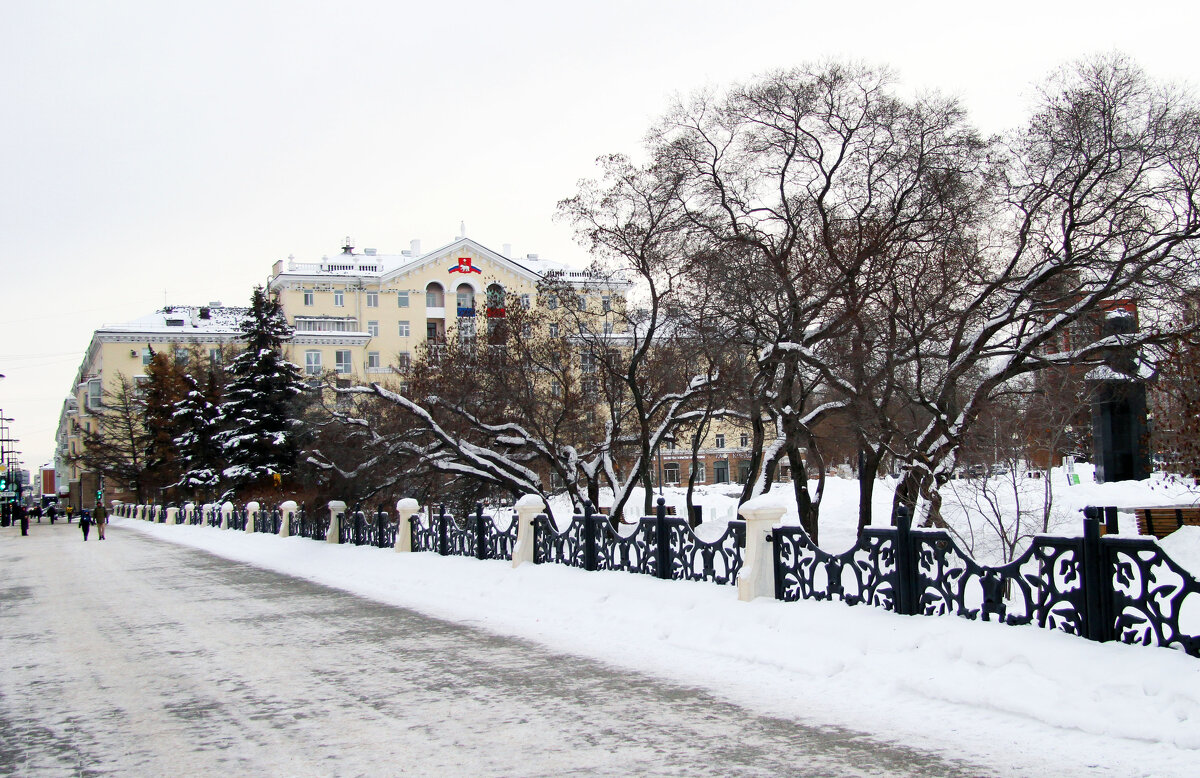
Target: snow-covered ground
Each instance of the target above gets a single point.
(1026, 700)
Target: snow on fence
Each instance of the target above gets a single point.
(1102, 587)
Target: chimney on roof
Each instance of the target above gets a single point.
(415, 246)
(349, 247)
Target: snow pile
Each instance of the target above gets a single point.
(1019, 699)
(1183, 546)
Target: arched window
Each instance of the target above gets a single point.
(495, 301)
(435, 296)
(466, 300)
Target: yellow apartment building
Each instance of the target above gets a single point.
(123, 350)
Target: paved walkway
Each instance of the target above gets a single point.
(136, 657)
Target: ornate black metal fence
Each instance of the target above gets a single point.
(237, 519)
(362, 529)
(313, 525)
(1103, 588)
(212, 516)
(475, 535)
(660, 545)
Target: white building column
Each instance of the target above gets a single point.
(334, 535)
(527, 508)
(757, 577)
(405, 510)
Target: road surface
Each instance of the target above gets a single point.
(134, 656)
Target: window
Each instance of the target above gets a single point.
(671, 473)
(308, 297)
(372, 299)
(552, 302)
(466, 329)
(372, 360)
(526, 330)
(181, 356)
(608, 328)
(587, 363)
(720, 440)
(606, 303)
(721, 472)
(341, 359)
(147, 355)
(466, 297)
(312, 362)
(403, 329)
(95, 393)
(404, 360)
(589, 386)
(402, 299)
(554, 330)
(434, 296)
(699, 471)
(339, 298)
(670, 444)
(327, 323)
(745, 440)
(581, 301)
(524, 301)
(214, 356)
(373, 328)
(555, 389)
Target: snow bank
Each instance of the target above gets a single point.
(1023, 700)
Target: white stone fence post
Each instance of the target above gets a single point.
(757, 577)
(405, 510)
(252, 509)
(337, 510)
(528, 507)
(287, 511)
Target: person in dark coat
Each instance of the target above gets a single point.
(85, 524)
(100, 516)
(51, 512)
(23, 517)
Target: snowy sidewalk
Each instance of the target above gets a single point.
(136, 657)
(1022, 699)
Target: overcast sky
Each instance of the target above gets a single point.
(159, 151)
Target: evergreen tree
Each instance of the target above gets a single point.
(259, 435)
(197, 421)
(163, 391)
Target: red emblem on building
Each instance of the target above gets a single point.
(464, 266)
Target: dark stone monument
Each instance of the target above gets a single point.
(1119, 427)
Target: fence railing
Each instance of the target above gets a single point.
(1102, 587)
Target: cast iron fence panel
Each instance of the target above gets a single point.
(237, 519)
(693, 559)
(865, 573)
(385, 530)
(1043, 586)
(1149, 592)
(212, 516)
(634, 553)
(196, 516)
(491, 542)
(261, 519)
(314, 526)
(425, 537)
(570, 547)
(358, 529)
(459, 537)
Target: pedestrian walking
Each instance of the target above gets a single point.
(23, 517)
(100, 516)
(69, 514)
(51, 512)
(85, 524)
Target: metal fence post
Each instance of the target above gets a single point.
(906, 565)
(590, 529)
(481, 551)
(1096, 580)
(663, 537)
(443, 539)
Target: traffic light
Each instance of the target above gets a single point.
(3, 482)
(99, 495)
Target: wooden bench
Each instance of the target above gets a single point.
(1161, 522)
